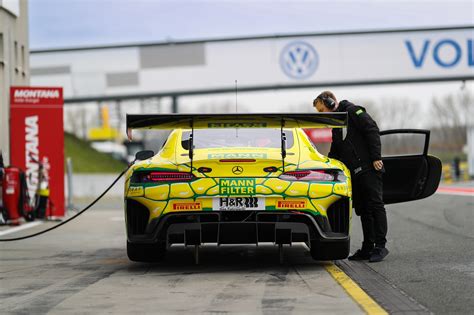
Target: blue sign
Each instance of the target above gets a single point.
(299, 60)
(456, 48)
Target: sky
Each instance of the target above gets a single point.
(72, 23)
(66, 23)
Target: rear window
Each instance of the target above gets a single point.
(241, 138)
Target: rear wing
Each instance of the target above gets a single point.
(244, 120)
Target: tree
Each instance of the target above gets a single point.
(451, 114)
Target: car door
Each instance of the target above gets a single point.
(410, 173)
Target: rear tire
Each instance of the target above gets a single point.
(146, 252)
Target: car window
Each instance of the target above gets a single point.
(241, 137)
(398, 144)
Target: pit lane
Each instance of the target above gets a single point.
(83, 268)
(431, 245)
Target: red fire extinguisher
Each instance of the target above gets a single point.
(11, 192)
(2, 209)
(14, 198)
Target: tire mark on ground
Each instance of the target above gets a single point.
(43, 300)
(273, 301)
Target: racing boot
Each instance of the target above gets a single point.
(360, 254)
(378, 254)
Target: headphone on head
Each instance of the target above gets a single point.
(328, 101)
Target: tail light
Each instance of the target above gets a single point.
(314, 175)
(153, 177)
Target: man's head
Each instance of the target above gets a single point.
(325, 102)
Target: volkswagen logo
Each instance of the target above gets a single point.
(299, 60)
(237, 170)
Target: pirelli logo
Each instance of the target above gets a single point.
(291, 204)
(187, 206)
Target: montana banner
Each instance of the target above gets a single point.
(37, 139)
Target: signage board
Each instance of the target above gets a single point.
(261, 63)
(37, 140)
(322, 135)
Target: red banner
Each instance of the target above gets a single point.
(37, 141)
(323, 135)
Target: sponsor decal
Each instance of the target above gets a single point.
(36, 96)
(291, 204)
(135, 191)
(237, 156)
(27, 93)
(32, 153)
(237, 125)
(238, 203)
(240, 186)
(36, 135)
(187, 206)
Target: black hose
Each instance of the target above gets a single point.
(71, 218)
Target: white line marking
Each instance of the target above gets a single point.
(21, 227)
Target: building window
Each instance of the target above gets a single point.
(15, 62)
(23, 61)
(2, 60)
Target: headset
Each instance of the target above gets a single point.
(328, 101)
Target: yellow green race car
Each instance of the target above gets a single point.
(237, 179)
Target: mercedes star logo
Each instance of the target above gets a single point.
(237, 170)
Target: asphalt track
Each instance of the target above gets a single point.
(82, 268)
(431, 245)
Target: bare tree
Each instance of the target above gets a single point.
(394, 113)
(389, 113)
(451, 117)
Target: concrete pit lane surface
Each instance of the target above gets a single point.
(82, 268)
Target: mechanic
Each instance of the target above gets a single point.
(360, 151)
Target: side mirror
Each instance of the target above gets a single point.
(144, 155)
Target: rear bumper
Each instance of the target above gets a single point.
(238, 227)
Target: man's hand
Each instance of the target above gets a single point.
(378, 165)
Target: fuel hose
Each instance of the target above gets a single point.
(71, 218)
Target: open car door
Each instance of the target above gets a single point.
(410, 173)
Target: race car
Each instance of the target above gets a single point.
(245, 179)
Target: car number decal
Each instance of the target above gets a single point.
(238, 203)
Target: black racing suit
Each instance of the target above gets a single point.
(357, 151)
